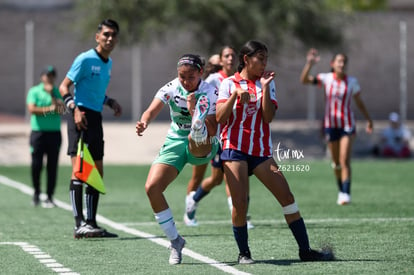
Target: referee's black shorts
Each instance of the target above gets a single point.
(93, 136)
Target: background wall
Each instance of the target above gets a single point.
(372, 45)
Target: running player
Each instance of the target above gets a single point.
(339, 122)
(246, 106)
(191, 138)
(195, 190)
(90, 74)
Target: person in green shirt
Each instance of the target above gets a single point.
(45, 106)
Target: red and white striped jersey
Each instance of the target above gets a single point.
(245, 129)
(338, 97)
(216, 78)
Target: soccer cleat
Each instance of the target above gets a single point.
(176, 248)
(199, 136)
(249, 223)
(86, 231)
(343, 198)
(48, 203)
(190, 205)
(36, 200)
(198, 128)
(190, 222)
(315, 256)
(245, 258)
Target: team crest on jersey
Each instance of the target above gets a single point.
(251, 109)
(166, 96)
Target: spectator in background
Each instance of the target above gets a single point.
(395, 139)
(45, 106)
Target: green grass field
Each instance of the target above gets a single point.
(373, 235)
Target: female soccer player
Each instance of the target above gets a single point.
(339, 122)
(191, 138)
(195, 190)
(246, 105)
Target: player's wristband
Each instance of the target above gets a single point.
(109, 101)
(68, 99)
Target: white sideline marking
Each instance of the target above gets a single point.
(41, 256)
(101, 219)
(282, 222)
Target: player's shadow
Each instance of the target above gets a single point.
(138, 238)
(206, 235)
(286, 262)
(282, 262)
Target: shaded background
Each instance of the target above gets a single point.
(371, 41)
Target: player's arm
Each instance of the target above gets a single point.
(268, 108)
(149, 115)
(78, 117)
(225, 108)
(311, 58)
(211, 124)
(114, 105)
(36, 110)
(361, 106)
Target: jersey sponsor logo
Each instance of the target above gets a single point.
(96, 70)
(251, 109)
(182, 126)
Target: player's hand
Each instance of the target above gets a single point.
(80, 119)
(117, 108)
(313, 56)
(140, 127)
(242, 95)
(59, 106)
(267, 77)
(191, 102)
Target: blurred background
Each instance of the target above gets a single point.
(377, 36)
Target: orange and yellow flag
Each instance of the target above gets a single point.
(86, 168)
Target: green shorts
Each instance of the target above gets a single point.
(175, 152)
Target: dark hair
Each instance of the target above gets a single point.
(211, 69)
(250, 49)
(335, 55)
(191, 59)
(226, 47)
(49, 70)
(110, 24)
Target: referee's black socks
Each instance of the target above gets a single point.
(75, 192)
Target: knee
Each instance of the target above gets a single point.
(217, 180)
(152, 188)
(336, 166)
(287, 200)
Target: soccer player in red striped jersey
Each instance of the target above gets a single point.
(339, 122)
(198, 187)
(246, 106)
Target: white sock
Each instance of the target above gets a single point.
(166, 221)
(230, 203)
